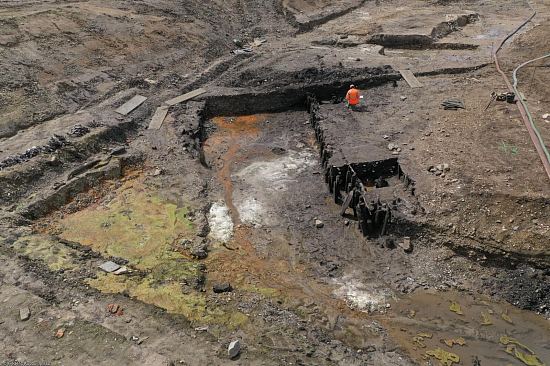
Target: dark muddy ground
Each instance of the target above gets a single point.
(231, 188)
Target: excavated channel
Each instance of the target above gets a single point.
(266, 167)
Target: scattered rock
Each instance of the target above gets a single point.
(186, 244)
(157, 172)
(392, 146)
(78, 130)
(118, 150)
(403, 97)
(234, 349)
(406, 244)
(54, 160)
(278, 151)
(115, 309)
(222, 287)
(200, 251)
(439, 169)
(109, 267)
(319, 224)
(546, 115)
(24, 313)
(121, 270)
(60, 333)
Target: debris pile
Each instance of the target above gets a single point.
(394, 148)
(78, 130)
(439, 170)
(453, 104)
(54, 143)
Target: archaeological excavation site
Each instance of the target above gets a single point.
(275, 182)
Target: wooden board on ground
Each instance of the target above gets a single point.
(184, 97)
(131, 105)
(158, 117)
(410, 78)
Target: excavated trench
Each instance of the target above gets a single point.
(269, 156)
(265, 165)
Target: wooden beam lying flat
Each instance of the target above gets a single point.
(131, 105)
(184, 97)
(410, 78)
(158, 117)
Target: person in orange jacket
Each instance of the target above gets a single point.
(353, 97)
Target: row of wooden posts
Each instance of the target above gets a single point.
(344, 183)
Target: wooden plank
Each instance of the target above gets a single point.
(131, 105)
(410, 78)
(184, 97)
(347, 201)
(158, 117)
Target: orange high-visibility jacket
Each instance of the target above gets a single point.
(353, 96)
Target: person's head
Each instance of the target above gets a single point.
(352, 86)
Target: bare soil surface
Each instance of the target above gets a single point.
(222, 221)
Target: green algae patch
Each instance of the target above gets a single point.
(141, 227)
(136, 225)
(264, 291)
(47, 250)
(170, 297)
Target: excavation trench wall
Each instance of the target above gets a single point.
(22, 179)
(424, 41)
(240, 102)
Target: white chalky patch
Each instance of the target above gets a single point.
(361, 296)
(264, 182)
(219, 220)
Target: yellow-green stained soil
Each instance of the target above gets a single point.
(136, 225)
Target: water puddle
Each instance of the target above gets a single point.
(475, 330)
